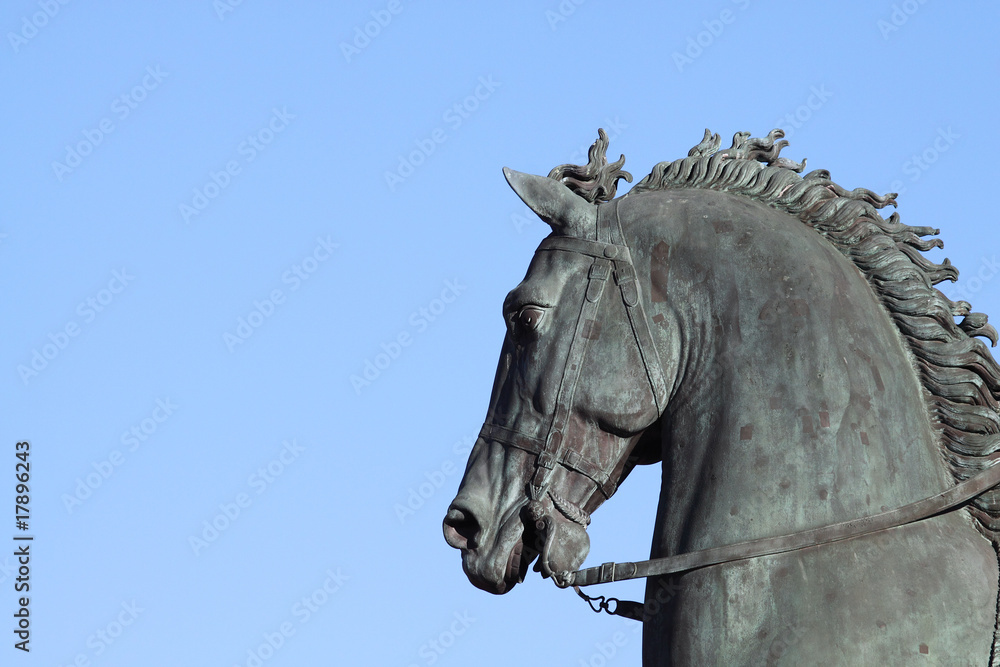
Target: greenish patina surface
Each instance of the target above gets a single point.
(780, 349)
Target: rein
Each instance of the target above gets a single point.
(940, 503)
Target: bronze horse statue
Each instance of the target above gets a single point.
(780, 348)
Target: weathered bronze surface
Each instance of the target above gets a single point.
(780, 349)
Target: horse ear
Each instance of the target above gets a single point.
(553, 202)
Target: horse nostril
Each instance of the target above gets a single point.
(460, 528)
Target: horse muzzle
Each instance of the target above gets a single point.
(494, 559)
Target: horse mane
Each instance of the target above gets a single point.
(960, 377)
(596, 181)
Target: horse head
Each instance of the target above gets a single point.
(578, 383)
(817, 384)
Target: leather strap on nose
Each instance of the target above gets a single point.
(570, 459)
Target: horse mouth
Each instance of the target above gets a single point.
(524, 553)
(517, 566)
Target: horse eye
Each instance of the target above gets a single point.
(529, 317)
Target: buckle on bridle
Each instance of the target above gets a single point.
(546, 460)
(572, 458)
(624, 275)
(625, 279)
(599, 271)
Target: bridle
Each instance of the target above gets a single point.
(611, 258)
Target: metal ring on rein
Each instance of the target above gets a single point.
(603, 604)
(627, 609)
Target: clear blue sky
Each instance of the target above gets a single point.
(210, 220)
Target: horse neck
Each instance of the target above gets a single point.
(795, 403)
